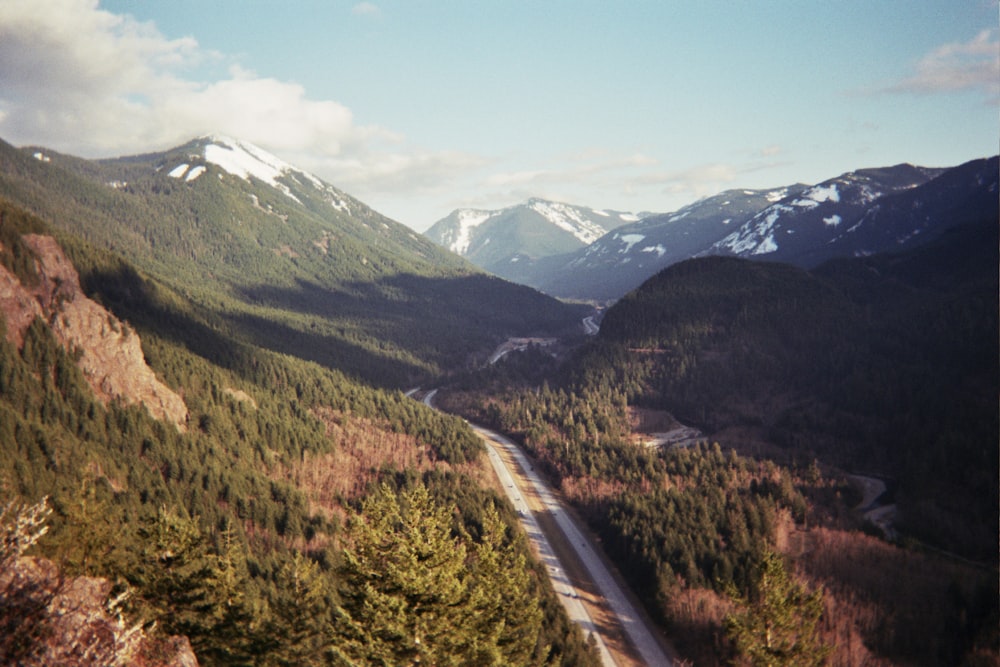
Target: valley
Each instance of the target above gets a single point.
(583, 580)
(200, 373)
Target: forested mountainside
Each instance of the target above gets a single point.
(856, 214)
(884, 366)
(272, 524)
(274, 256)
(887, 364)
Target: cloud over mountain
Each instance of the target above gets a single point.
(100, 83)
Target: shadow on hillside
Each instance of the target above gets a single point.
(227, 339)
(405, 305)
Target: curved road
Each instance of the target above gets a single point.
(629, 618)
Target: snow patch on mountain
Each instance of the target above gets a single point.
(757, 237)
(658, 249)
(468, 220)
(630, 240)
(568, 219)
(816, 195)
(243, 159)
(766, 246)
(195, 172)
(178, 171)
(832, 221)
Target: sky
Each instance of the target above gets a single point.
(421, 107)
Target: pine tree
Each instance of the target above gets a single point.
(300, 627)
(406, 597)
(509, 614)
(776, 625)
(187, 589)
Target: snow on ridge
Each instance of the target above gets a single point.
(822, 194)
(833, 220)
(243, 159)
(195, 172)
(817, 195)
(629, 217)
(775, 195)
(603, 214)
(41, 157)
(567, 218)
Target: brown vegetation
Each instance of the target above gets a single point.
(883, 605)
(363, 453)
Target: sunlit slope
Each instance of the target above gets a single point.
(279, 256)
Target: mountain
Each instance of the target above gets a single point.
(499, 240)
(856, 214)
(622, 259)
(840, 217)
(277, 257)
(185, 494)
(885, 363)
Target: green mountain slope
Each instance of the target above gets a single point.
(277, 257)
(231, 527)
(885, 364)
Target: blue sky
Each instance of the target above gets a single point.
(418, 108)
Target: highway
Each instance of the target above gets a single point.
(631, 621)
(567, 593)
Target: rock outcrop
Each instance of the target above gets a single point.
(48, 619)
(111, 356)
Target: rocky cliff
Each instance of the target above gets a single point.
(109, 352)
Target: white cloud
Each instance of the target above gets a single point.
(972, 65)
(83, 80)
(411, 172)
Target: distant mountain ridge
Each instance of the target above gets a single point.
(497, 240)
(859, 213)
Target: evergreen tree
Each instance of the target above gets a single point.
(300, 626)
(509, 613)
(776, 625)
(189, 590)
(406, 596)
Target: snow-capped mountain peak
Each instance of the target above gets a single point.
(537, 228)
(244, 160)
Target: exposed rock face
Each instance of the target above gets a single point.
(52, 620)
(111, 354)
